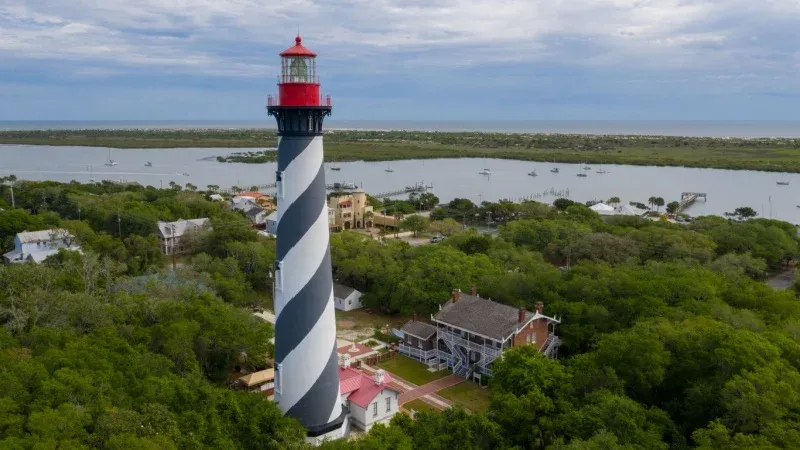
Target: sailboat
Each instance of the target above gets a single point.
(582, 174)
(110, 162)
(783, 183)
(601, 170)
(148, 164)
(485, 172)
(554, 170)
(533, 173)
(389, 169)
(333, 166)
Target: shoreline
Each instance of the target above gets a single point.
(732, 153)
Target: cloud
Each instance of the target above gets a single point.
(580, 47)
(205, 33)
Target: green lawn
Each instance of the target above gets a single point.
(469, 395)
(411, 370)
(418, 406)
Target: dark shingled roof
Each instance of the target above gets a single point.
(341, 291)
(481, 316)
(419, 329)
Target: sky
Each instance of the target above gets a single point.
(404, 59)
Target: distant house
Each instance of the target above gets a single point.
(272, 223)
(243, 204)
(346, 298)
(258, 215)
(370, 399)
(350, 211)
(36, 246)
(261, 381)
(170, 234)
(259, 199)
(471, 332)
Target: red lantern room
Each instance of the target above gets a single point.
(298, 84)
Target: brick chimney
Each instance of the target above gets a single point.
(456, 295)
(414, 317)
(521, 315)
(473, 290)
(539, 308)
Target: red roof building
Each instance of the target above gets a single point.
(370, 399)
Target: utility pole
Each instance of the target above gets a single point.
(119, 225)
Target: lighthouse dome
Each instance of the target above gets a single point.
(298, 49)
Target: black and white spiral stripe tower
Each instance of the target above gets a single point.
(306, 376)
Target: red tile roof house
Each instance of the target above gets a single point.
(370, 400)
(469, 333)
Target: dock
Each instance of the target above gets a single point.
(552, 192)
(418, 187)
(340, 187)
(687, 198)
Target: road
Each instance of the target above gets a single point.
(783, 280)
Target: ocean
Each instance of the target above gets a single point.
(744, 129)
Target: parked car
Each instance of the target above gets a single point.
(436, 239)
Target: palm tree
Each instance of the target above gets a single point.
(614, 201)
(659, 202)
(651, 201)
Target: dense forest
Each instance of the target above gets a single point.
(670, 337)
(769, 154)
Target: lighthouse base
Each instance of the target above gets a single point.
(338, 429)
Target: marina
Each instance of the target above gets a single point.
(446, 178)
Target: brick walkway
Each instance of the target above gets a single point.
(430, 388)
(407, 389)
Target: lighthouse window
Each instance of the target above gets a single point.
(298, 70)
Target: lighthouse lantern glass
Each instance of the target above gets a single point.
(298, 69)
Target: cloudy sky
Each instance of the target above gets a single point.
(404, 59)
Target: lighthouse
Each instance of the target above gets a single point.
(306, 369)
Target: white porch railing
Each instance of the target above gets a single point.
(485, 349)
(422, 355)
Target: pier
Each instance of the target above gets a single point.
(687, 198)
(552, 192)
(418, 187)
